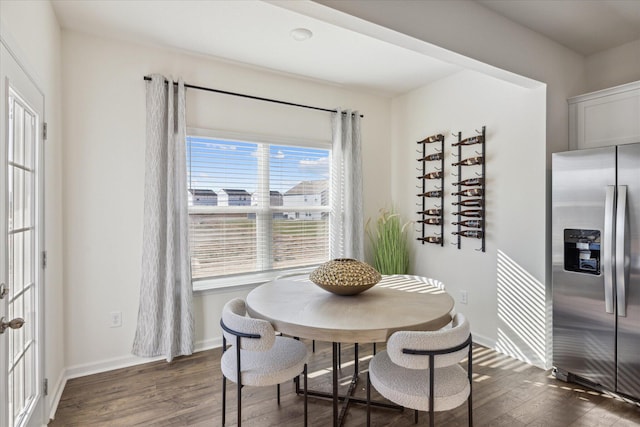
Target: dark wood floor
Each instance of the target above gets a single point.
(187, 392)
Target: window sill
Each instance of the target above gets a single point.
(242, 282)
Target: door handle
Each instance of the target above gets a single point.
(607, 253)
(3, 290)
(622, 246)
(13, 324)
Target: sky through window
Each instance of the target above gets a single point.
(216, 164)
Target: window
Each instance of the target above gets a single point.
(256, 206)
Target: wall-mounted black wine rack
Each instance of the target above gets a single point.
(473, 220)
(431, 215)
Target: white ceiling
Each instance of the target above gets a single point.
(257, 33)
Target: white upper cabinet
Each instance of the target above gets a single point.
(607, 117)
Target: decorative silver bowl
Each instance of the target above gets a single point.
(345, 276)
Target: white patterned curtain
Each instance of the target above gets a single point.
(347, 223)
(165, 315)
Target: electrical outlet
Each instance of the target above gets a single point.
(463, 297)
(116, 319)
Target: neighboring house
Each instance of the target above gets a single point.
(306, 193)
(202, 197)
(275, 198)
(234, 197)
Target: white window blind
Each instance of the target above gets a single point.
(256, 207)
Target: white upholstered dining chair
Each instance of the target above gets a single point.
(420, 370)
(256, 356)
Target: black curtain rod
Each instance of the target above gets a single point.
(259, 98)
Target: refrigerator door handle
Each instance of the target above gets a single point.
(609, 207)
(622, 251)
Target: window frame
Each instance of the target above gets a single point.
(250, 280)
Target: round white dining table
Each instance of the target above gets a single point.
(295, 306)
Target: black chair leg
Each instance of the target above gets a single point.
(368, 400)
(305, 395)
(313, 346)
(278, 388)
(432, 399)
(415, 416)
(470, 376)
(239, 404)
(224, 397)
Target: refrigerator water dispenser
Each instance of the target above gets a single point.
(582, 251)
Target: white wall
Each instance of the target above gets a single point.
(104, 129)
(508, 279)
(613, 67)
(32, 32)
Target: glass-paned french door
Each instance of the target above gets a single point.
(21, 230)
(22, 258)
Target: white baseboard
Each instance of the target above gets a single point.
(493, 345)
(107, 365)
(484, 341)
(56, 394)
(208, 344)
(129, 360)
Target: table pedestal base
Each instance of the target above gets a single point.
(347, 398)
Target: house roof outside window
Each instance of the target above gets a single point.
(309, 188)
(202, 192)
(236, 192)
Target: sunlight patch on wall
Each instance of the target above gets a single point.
(409, 283)
(521, 313)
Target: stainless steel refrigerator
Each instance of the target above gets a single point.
(596, 267)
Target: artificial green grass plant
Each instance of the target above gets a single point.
(390, 245)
